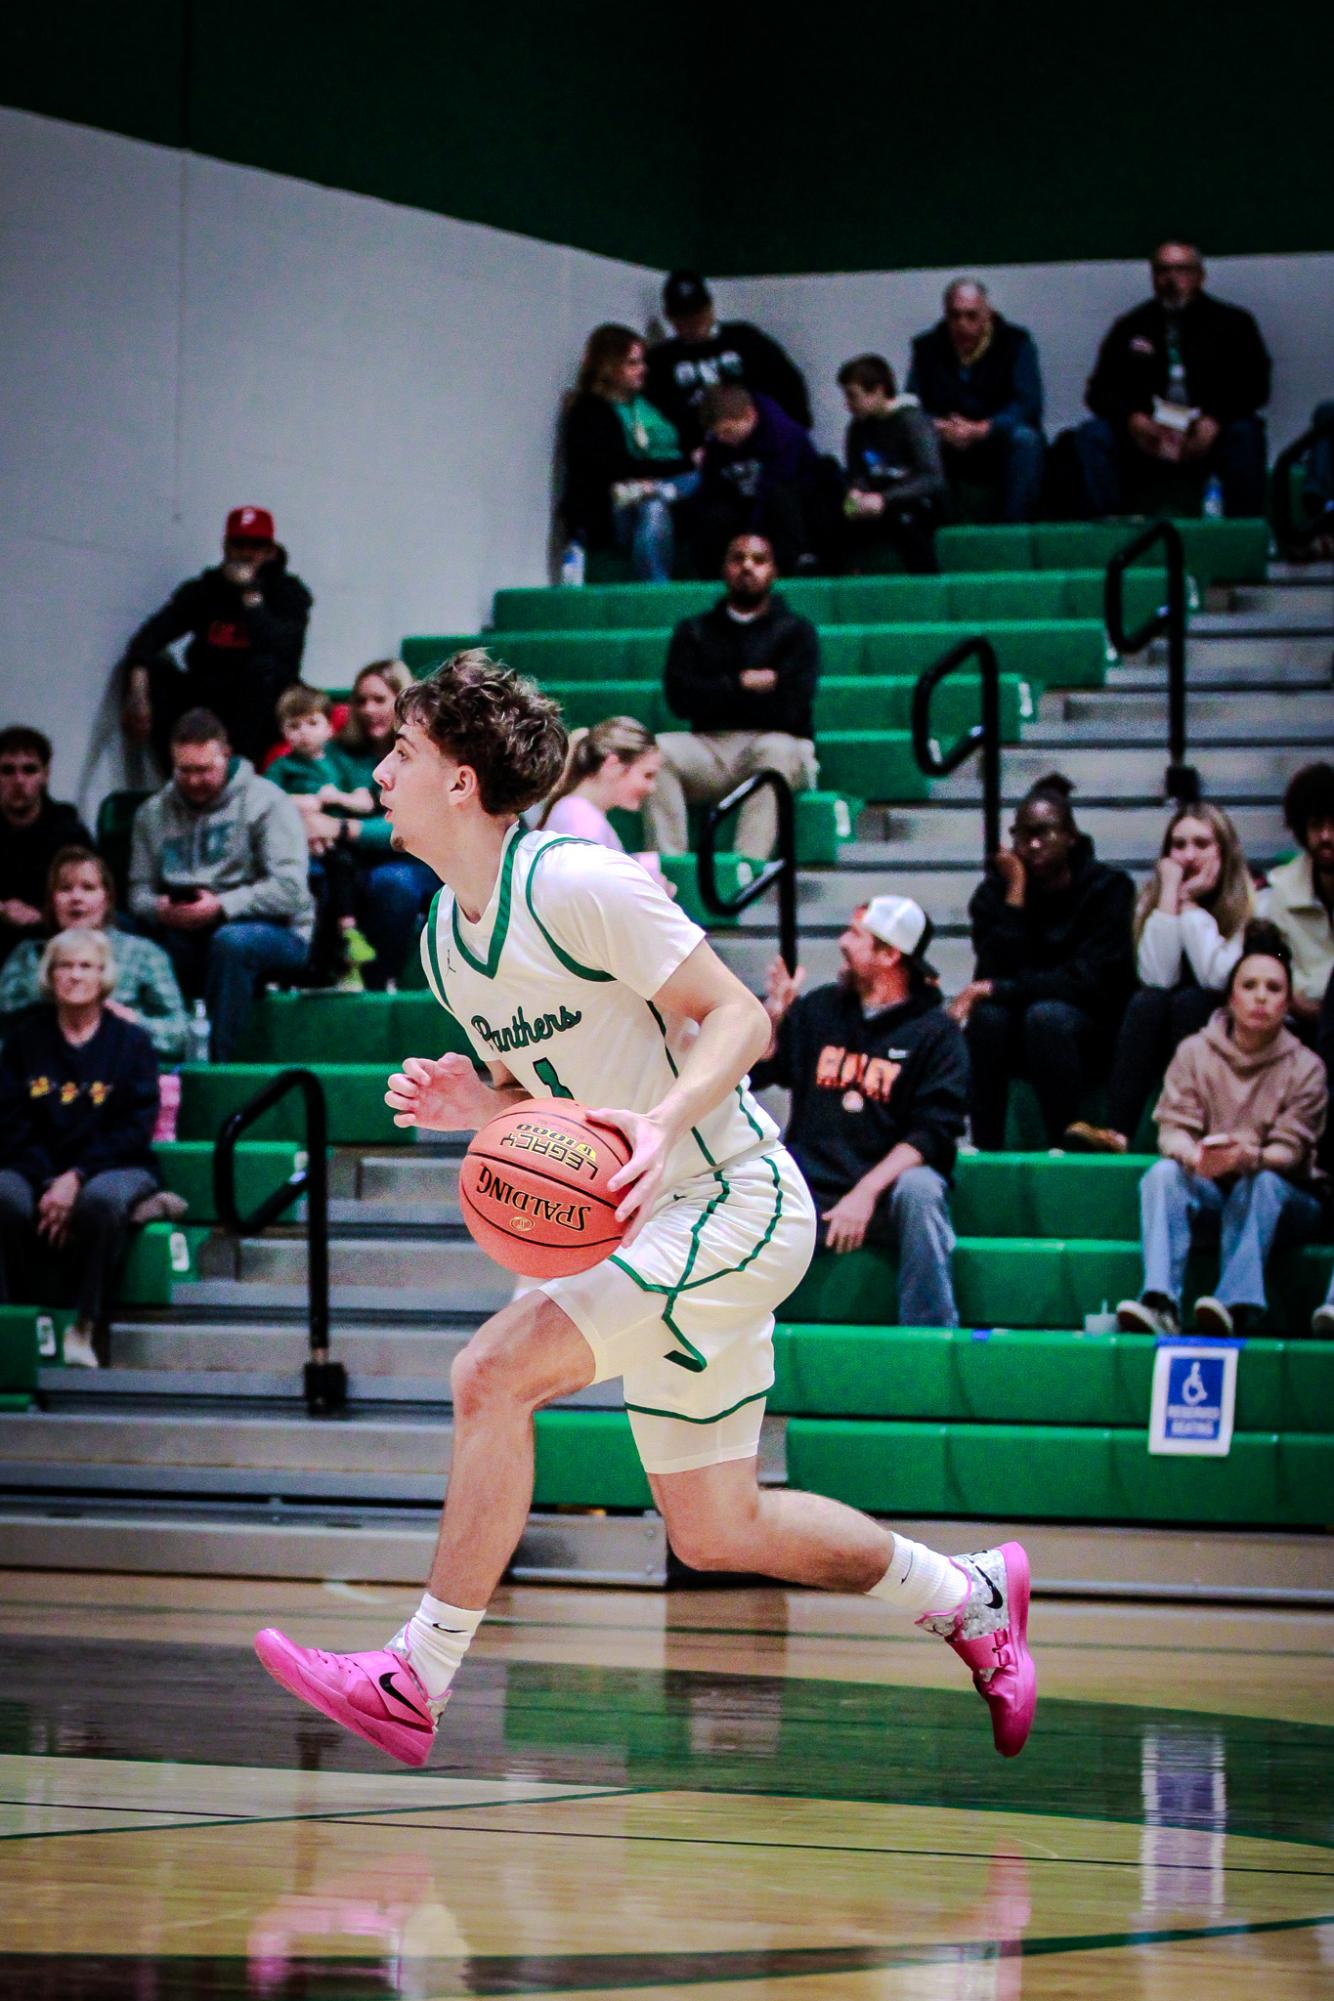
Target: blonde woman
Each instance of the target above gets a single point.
(1189, 923)
(78, 1102)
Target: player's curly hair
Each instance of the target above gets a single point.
(500, 724)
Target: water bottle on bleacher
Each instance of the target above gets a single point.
(197, 1033)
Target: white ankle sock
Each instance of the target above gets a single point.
(920, 1580)
(435, 1639)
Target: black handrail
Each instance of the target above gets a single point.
(1181, 780)
(782, 870)
(984, 736)
(324, 1381)
(1289, 532)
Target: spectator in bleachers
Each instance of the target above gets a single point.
(743, 676)
(33, 829)
(879, 1080)
(80, 895)
(392, 891)
(978, 377)
(760, 474)
(625, 471)
(1299, 897)
(318, 774)
(246, 619)
(1189, 920)
(1179, 381)
(1317, 502)
(1242, 1109)
(218, 865)
(1055, 967)
(78, 1102)
(896, 481)
(703, 352)
(612, 767)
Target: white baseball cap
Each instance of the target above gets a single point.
(898, 921)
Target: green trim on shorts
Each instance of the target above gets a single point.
(647, 1410)
(570, 964)
(692, 1359)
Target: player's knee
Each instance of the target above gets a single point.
(485, 1377)
(708, 1541)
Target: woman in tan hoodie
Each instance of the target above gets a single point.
(1242, 1107)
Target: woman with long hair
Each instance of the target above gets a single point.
(1189, 920)
(1242, 1109)
(625, 471)
(613, 765)
(80, 892)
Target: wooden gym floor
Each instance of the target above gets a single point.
(747, 1793)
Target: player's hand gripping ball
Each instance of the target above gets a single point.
(533, 1188)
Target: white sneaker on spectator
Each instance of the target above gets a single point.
(1212, 1317)
(1154, 1314)
(78, 1349)
(1322, 1321)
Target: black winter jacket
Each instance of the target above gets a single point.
(240, 657)
(709, 654)
(1073, 944)
(1227, 363)
(595, 456)
(1003, 386)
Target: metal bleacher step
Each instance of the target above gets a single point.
(1275, 714)
(1301, 597)
(1228, 770)
(1224, 647)
(1126, 831)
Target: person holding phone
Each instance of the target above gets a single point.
(1242, 1109)
(218, 876)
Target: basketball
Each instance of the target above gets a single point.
(533, 1188)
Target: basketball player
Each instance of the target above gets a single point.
(572, 961)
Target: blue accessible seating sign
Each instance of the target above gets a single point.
(1194, 1397)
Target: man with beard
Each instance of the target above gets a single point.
(743, 677)
(879, 1080)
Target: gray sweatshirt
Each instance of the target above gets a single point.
(249, 847)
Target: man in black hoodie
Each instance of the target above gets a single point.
(743, 676)
(247, 620)
(1179, 381)
(879, 1080)
(1055, 967)
(33, 828)
(704, 352)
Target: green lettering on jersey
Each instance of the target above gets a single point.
(520, 1032)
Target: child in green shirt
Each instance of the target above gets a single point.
(323, 780)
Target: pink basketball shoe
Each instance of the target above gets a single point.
(989, 1631)
(377, 1694)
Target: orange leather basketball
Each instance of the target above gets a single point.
(533, 1188)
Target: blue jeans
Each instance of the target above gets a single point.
(647, 533)
(391, 901)
(1116, 473)
(228, 966)
(1011, 459)
(914, 1218)
(1253, 1214)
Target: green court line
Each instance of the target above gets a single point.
(345, 1814)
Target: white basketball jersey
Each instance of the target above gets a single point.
(556, 981)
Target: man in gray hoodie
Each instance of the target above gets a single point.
(218, 874)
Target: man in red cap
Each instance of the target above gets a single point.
(246, 619)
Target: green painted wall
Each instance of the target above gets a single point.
(881, 138)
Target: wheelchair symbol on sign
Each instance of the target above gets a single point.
(1193, 1389)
